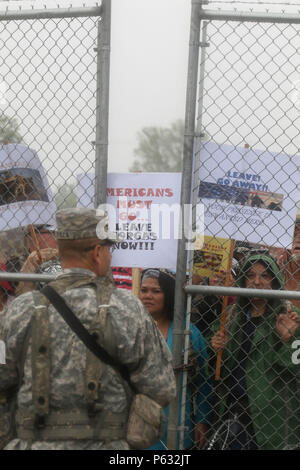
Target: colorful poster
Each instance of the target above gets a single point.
(249, 194)
(25, 196)
(212, 259)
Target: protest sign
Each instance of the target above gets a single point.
(145, 209)
(25, 196)
(249, 194)
(212, 258)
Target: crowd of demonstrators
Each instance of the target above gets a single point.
(157, 293)
(257, 391)
(258, 383)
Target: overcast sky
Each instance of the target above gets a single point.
(149, 51)
(149, 54)
(149, 58)
(148, 70)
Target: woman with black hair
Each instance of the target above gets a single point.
(157, 294)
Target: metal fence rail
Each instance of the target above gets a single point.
(243, 292)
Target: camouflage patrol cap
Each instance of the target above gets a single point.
(80, 223)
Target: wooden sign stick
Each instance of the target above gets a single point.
(224, 308)
(136, 281)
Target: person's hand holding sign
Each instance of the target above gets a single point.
(287, 324)
(34, 260)
(219, 340)
(37, 257)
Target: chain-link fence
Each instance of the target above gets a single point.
(49, 87)
(237, 363)
(246, 170)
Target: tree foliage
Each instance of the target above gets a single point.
(65, 196)
(9, 131)
(159, 149)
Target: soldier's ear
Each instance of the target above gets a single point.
(98, 253)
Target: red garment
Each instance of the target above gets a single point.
(231, 299)
(5, 284)
(122, 277)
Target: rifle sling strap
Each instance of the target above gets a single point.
(90, 342)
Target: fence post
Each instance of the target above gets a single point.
(195, 187)
(188, 147)
(102, 103)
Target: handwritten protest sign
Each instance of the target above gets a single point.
(25, 196)
(249, 194)
(212, 258)
(133, 196)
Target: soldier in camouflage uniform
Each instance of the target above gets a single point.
(6, 399)
(67, 398)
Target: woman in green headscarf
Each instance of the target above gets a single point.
(259, 379)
